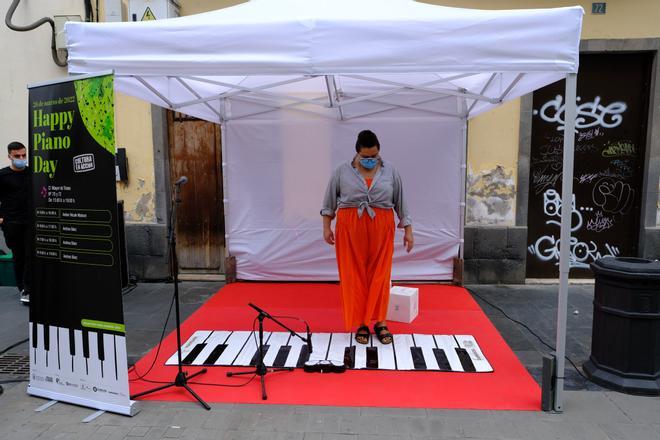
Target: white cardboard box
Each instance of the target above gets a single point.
(404, 304)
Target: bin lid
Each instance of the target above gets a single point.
(8, 256)
(628, 265)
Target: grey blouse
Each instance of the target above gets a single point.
(348, 189)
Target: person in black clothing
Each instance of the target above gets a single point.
(14, 218)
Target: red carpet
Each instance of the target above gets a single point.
(443, 310)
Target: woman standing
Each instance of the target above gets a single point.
(363, 195)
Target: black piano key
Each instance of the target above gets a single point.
(46, 337)
(418, 358)
(114, 351)
(253, 362)
(35, 334)
(72, 342)
(101, 347)
(372, 357)
(215, 354)
(303, 357)
(59, 365)
(193, 354)
(466, 362)
(46, 342)
(282, 354)
(349, 357)
(85, 343)
(441, 358)
(85, 349)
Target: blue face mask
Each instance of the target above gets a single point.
(369, 163)
(19, 163)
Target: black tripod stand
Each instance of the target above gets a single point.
(182, 377)
(261, 369)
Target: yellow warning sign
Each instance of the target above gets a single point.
(148, 15)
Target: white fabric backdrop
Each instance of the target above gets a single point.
(276, 173)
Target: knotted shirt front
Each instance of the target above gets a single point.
(348, 189)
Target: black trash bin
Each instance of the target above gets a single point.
(625, 344)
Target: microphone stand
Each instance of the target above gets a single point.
(261, 369)
(182, 377)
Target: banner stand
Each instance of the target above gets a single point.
(76, 330)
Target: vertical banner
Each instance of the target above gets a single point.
(77, 338)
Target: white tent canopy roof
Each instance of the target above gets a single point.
(340, 58)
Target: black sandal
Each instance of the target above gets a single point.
(383, 334)
(363, 333)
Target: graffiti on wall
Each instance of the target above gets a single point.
(610, 139)
(581, 253)
(589, 114)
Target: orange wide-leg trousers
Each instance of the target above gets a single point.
(364, 248)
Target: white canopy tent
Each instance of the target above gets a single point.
(328, 65)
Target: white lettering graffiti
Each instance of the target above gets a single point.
(589, 114)
(552, 207)
(613, 196)
(581, 253)
(600, 223)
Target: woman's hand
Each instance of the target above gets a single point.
(408, 239)
(328, 235)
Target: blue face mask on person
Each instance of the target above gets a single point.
(19, 163)
(369, 163)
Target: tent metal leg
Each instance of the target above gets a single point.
(565, 237)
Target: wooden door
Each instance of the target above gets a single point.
(195, 152)
(613, 99)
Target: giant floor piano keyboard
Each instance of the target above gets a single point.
(457, 353)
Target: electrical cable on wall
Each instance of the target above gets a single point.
(36, 24)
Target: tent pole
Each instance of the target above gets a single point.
(565, 237)
(463, 171)
(223, 170)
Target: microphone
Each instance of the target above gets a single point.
(181, 181)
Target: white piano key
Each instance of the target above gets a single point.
(79, 361)
(215, 338)
(94, 361)
(402, 344)
(427, 344)
(122, 360)
(197, 338)
(338, 344)
(448, 344)
(385, 355)
(52, 356)
(32, 343)
(320, 347)
(481, 364)
(276, 341)
(40, 351)
(109, 361)
(66, 361)
(360, 353)
(296, 345)
(249, 350)
(235, 343)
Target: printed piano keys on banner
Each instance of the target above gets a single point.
(79, 358)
